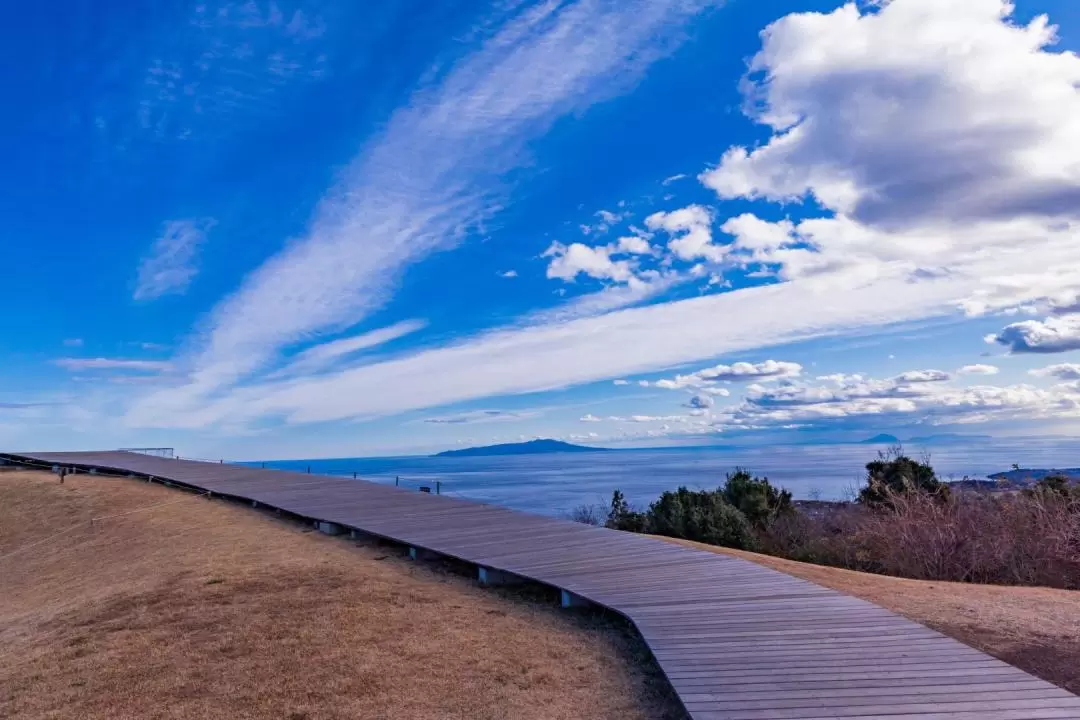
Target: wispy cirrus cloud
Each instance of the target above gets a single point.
(322, 356)
(100, 363)
(434, 173)
(172, 262)
(480, 416)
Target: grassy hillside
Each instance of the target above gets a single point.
(182, 607)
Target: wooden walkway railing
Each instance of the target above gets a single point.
(736, 640)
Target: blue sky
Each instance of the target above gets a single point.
(285, 229)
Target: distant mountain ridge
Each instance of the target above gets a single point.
(881, 439)
(533, 447)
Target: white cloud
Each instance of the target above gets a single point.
(480, 416)
(936, 403)
(509, 274)
(740, 371)
(171, 264)
(674, 178)
(747, 371)
(633, 245)
(978, 369)
(113, 364)
(965, 162)
(321, 356)
(569, 261)
(1053, 335)
(433, 174)
(690, 231)
(589, 417)
(620, 382)
(923, 376)
(1062, 371)
(73, 342)
(534, 358)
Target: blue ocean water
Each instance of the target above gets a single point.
(555, 484)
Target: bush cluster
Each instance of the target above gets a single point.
(906, 523)
(730, 516)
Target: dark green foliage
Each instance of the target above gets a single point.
(622, 517)
(701, 515)
(1055, 486)
(757, 498)
(894, 473)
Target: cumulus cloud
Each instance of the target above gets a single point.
(965, 162)
(633, 245)
(934, 403)
(1053, 335)
(569, 261)
(1061, 371)
(923, 376)
(751, 371)
(509, 274)
(171, 264)
(978, 369)
(589, 417)
(691, 233)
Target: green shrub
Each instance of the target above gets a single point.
(894, 473)
(702, 515)
(757, 498)
(1056, 486)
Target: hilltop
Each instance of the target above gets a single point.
(182, 607)
(533, 447)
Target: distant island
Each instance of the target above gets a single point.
(533, 447)
(886, 438)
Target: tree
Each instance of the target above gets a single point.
(894, 473)
(757, 498)
(622, 517)
(1055, 485)
(701, 515)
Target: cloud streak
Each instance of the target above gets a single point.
(171, 264)
(434, 173)
(101, 363)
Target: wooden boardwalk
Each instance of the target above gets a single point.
(736, 640)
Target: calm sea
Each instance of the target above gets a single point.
(555, 484)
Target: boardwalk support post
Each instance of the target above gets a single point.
(489, 576)
(416, 553)
(329, 528)
(570, 600)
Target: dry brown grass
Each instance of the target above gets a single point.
(204, 609)
(1036, 629)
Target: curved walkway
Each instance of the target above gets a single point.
(736, 640)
